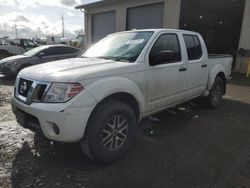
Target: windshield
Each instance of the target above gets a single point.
(34, 51)
(121, 46)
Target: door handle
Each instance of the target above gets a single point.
(182, 69)
(203, 65)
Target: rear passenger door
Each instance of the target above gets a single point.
(196, 64)
(166, 81)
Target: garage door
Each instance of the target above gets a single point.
(102, 25)
(145, 17)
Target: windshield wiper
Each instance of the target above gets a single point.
(114, 58)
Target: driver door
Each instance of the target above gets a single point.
(166, 79)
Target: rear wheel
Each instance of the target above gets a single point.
(111, 131)
(215, 96)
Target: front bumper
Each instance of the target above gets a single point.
(70, 118)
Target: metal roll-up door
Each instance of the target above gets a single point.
(102, 25)
(145, 17)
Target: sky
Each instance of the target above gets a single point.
(41, 17)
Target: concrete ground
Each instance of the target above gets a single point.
(188, 146)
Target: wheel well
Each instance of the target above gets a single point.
(123, 97)
(223, 77)
(126, 98)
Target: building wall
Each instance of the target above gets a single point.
(242, 62)
(170, 20)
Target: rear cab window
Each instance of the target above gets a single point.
(193, 47)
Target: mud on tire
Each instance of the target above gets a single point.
(215, 96)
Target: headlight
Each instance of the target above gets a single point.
(62, 92)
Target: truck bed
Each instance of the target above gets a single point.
(215, 60)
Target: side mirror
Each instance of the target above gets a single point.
(41, 54)
(160, 57)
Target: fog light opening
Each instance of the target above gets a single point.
(56, 129)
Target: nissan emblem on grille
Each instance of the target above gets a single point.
(23, 87)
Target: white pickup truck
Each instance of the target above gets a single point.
(99, 98)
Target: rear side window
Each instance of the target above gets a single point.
(68, 50)
(52, 51)
(193, 46)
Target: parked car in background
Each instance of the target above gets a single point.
(26, 44)
(12, 65)
(99, 99)
(9, 47)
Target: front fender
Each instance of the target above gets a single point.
(104, 87)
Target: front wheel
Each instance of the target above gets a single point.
(215, 96)
(111, 130)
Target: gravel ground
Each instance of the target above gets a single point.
(6, 87)
(188, 146)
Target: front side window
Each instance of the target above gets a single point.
(193, 47)
(35, 51)
(165, 50)
(121, 46)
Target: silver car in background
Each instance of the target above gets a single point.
(10, 66)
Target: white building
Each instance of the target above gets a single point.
(224, 24)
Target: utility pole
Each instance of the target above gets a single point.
(62, 24)
(16, 30)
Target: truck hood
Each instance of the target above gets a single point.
(73, 70)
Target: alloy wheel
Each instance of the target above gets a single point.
(114, 132)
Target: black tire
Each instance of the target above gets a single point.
(215, 96)
(111, 130)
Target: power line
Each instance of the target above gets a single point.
(16, 30)
(62, 17)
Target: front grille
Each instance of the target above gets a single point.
(24, 86)
(29, 91)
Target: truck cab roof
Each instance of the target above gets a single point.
(161, 30)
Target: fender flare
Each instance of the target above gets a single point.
(213, 74)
